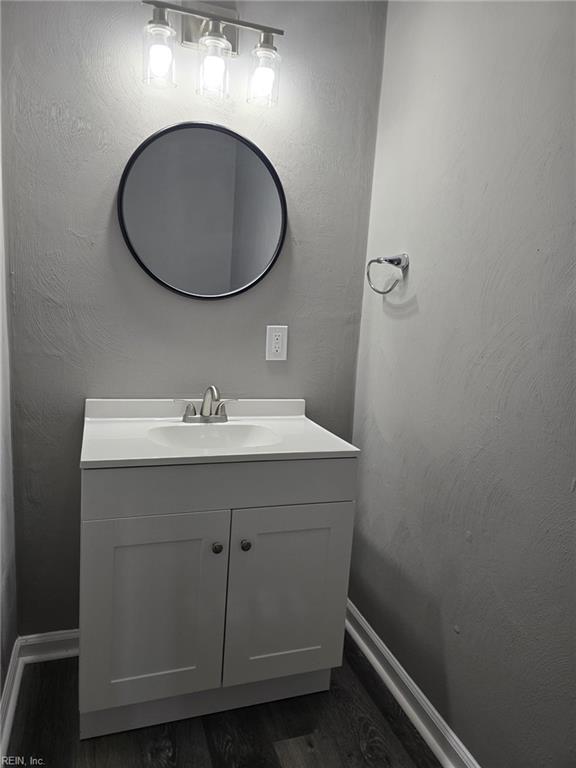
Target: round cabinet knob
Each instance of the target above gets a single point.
(245, 545)
(217, 548)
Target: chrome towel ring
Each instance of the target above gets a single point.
(401, 261)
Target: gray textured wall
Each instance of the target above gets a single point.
(464, 558)
(87, 321)
(7, 538)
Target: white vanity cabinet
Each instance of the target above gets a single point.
(287, 593)
(210, 586)
(153, 607)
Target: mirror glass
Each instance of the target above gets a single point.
(202, 210)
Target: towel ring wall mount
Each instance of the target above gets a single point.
(401, 261)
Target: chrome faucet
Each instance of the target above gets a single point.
(212, 410)
(210, 401)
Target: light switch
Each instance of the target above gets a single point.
(276, 342)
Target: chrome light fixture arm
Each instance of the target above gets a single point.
(213, 17)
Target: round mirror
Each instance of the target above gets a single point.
(202, 210)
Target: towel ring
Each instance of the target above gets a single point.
(401, 261)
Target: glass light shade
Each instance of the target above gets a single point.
(215, 52)
(159, 39)
(263, 84)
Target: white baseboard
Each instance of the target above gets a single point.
(9, 698)
(435, 731)
(28, 649)
(443, 742)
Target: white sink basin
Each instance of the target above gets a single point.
(198, 437)
(138, 433)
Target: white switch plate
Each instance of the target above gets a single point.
(276, 342)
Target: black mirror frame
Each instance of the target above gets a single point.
(215, 127)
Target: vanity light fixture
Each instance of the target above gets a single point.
(159, 38)
(263, 85)
(215, 50)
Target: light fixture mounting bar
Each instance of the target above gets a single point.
(213, 17)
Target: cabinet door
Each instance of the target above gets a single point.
(153, 596)
(287, 590)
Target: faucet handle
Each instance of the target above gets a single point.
(189, 413)
(189, 410)
(221, 406)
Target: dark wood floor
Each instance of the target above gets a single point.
(357, 724)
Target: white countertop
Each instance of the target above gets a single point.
(117, 433)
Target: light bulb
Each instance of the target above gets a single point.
(213, 73)
(160, 60)
(263, 85)
(159, 38)
(216, 50)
